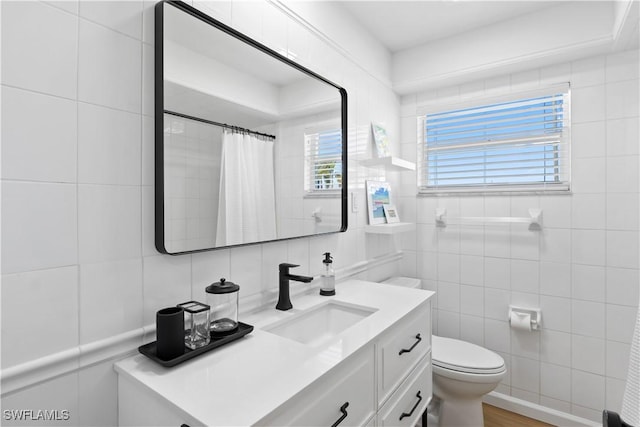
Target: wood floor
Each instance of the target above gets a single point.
(496, 417)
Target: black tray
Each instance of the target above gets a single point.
(149, 350)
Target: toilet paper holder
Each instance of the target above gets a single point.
(535, 315)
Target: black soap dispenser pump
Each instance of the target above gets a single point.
(328, 278)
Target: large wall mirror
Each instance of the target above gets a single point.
(250, 146)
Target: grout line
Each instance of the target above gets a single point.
(76, 99)
(77, 187)
(129, 36)
(606, 231)
(86, 184)
(10, 86)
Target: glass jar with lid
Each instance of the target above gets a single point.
(222, 297)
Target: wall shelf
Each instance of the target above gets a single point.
(390, 163)
(393, 228)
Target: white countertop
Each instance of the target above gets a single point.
(242, 382)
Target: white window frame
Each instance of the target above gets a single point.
(563, 185)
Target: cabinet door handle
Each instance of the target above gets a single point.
(343, 409)
(404, 350)
(404, 414)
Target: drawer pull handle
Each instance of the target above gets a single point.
(404, 350)
(404, 414)
(343, 409)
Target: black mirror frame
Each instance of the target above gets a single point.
(159, 122)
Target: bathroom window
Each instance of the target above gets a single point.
(323, 166)
(511, 145)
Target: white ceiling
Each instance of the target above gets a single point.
(400, 25)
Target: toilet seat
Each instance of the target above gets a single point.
(464, 357)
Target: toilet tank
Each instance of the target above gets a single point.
(407, 282)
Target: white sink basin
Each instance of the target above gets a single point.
(320, 323)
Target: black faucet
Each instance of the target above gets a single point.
(284, 301)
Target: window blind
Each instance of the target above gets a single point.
(323, 166)
(508, 146)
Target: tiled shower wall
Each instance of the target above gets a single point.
(192, 185)
(78, 259)
(581, 269)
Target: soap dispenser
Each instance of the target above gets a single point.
(328, 278)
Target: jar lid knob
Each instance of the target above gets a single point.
(222, 287)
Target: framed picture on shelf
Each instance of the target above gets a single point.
(378, 195)
(391, 213)
(381, 139)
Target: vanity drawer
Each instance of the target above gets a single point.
(401, 348)
(347, 390)
(406, 405)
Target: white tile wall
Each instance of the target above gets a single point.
(588, 282)
(497, 273)
(123, 19)
(109, 148)
(61, 393)
(77, 189)
(45, 59)
(621, 287)
(471, 329)
(555, 382)
(472, 270)
(587, 390)
(109, 68)
(46, 152)
(614, 394)
(588, 354)
(39, 226)
(165, 281)
(591, 134)
(581, 268)
(109, 222)
(623, 137)
(111, 289)
(555, 279)
(39, 313)
(555, 347)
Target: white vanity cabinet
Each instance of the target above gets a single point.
(402, 358)
(139, 407)
(377, 374)
(408, 403)
(344, 397)
(400, 349)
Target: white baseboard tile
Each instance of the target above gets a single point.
(39, 370)
(537, 412)
(54, 365)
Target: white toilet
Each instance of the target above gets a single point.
(462, 373)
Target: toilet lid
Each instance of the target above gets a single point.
(464, 356)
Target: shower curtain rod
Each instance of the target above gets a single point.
(224, 125)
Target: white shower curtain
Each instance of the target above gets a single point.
(247, 208)
(631, 402)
